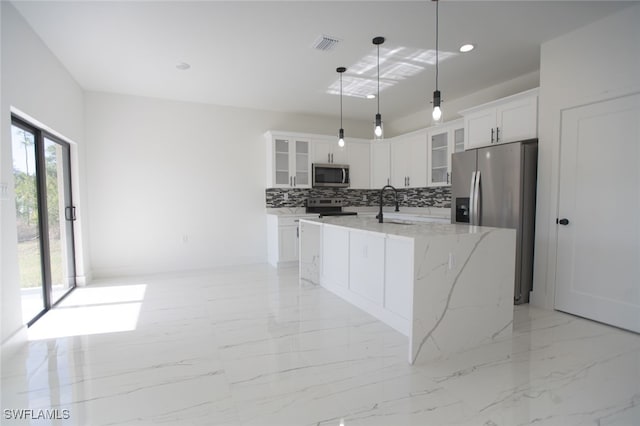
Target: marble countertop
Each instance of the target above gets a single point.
(400, 228)
(426, 212)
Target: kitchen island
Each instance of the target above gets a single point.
(446, 287)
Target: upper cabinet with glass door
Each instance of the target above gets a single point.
(288, 161)
(442, 142)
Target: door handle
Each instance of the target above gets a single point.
(472, 190)
(477, 206)
(70, 213)
(563, 221)
(344, 176)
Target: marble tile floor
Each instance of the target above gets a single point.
(249, 346)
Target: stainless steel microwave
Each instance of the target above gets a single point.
(330, 175)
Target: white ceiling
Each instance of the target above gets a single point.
(259, 54)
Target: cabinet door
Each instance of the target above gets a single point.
(517, 120)
(335, 256)
(366, 272)
(282, 162)
(398, 286)
(288, 243)
(400, 153)
(359, 166)
(380, 164)
(417, 161)
(339, 155)
(322, 151)
(478, 127)
(439, 157)
(301, 163)
(458, 140)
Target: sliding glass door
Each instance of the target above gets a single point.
(45, 215)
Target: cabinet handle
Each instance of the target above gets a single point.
(497, 134)
(297, 232)
(408, 180)
(328, 158)
(332, 158)
(448, 174)
(290, 181)
(294, 181)
(492, 135)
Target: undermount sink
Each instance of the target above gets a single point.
(400, 222)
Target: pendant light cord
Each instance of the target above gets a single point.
(437, 3)
(341, 100)
(378, 79)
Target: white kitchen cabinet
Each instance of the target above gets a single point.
(366, 271)
(359, 154)
(335, 256)
(283, 240)
(288, 161)
(509, 119)
(327, 151)
(409, 160)
(442, 142)
(398, 269)
(380, 164)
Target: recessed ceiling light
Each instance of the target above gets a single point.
(467, 48)
(183, 66)
(371, 96)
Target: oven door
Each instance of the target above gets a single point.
(330, 175)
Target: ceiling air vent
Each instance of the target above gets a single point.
(325, 43)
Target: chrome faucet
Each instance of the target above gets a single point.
(379, 217)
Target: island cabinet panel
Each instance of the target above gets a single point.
(398, 276)
(335, 256)
(366, 274)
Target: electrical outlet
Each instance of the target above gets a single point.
(286, 196)
(185, 239)
(364, 197)
(406, 197)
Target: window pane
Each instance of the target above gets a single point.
(27, 220)
(60, 230)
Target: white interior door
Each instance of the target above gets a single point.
(598, 258)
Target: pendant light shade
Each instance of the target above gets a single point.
(378, 130)
(341, 70)
(436, 114)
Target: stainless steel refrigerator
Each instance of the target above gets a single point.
(496, 186)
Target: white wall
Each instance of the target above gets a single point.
(596, 62)
(34, 82)
(450, 108)
(179, 186)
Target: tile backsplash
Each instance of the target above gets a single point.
(415, 197)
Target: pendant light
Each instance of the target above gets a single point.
(378, 130)
(437, 112)
(341, 70)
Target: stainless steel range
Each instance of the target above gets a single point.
(327, 207)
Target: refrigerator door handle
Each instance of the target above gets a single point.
(472, 190)
(476, 194)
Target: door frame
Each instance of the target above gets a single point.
(43, 223)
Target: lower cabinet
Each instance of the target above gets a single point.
(283, 238)
(335, 256)
(373, 271)
(366, 259)
(398, 272)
